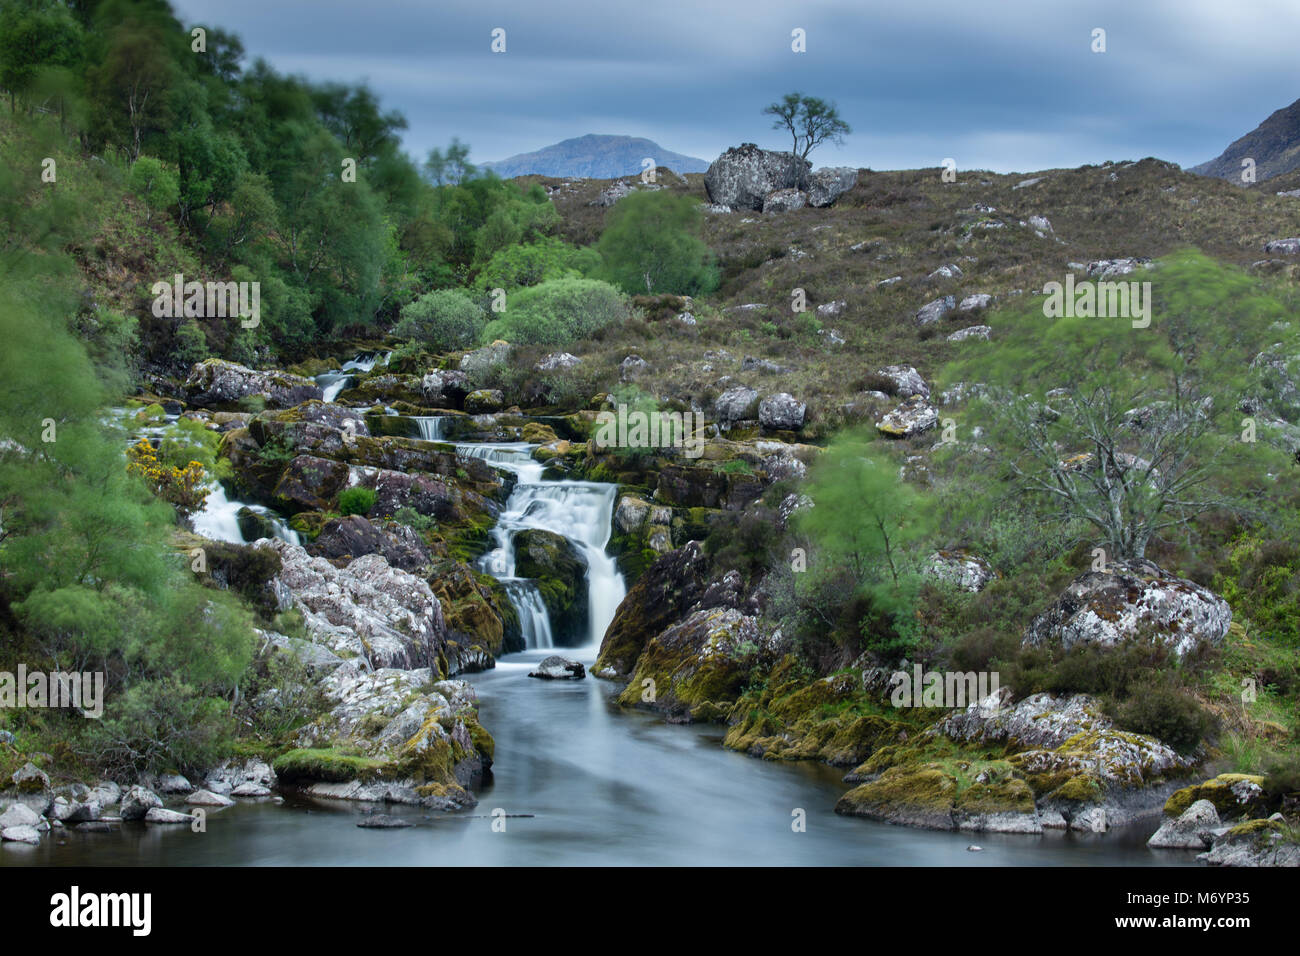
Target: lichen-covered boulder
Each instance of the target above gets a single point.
(908, 382)
(744, 176)
(932, 312)
(477, 362)
(215, 382)
(484, 400)
(828, 183)
(352, 536)
(960, 568)
(368, 609)
(1133, 601)
(445, 387)
(781, 412)
(784, 200)
(1254, 843)
(922, 796)
(912, 417)
(430, 496)
(737, 403)
(1231, 794)
(1286, 247)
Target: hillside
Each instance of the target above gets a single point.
(594, 156)
(1274, 145)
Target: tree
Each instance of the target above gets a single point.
(651, 245)
(450, 168)
(1135, 431)
(442, 320)
(810, 121)
(35, 36)
(559, 312)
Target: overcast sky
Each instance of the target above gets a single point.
(1007, 85)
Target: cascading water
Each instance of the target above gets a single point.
(580, 511)
(219, 519)
(332, 383)
(430, 426)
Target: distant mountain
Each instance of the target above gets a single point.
(1274, 145)
(595, 157)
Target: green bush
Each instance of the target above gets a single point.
(1166, 713)
(442, 320)
(356, 501)
(536, 262)
(559, 312)
(651, 245)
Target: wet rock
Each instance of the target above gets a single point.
(427, 495)
(661, 595)
(909, 796)
(1132, 601)
(137, 802)
(311, 484)
(218, 382)
(206, 798)
(559, 668)
(21, 834)
(444, 387)
(560, 571)
(382, 821)
(483, 400)
(1190, 831)
(1254, 843)
(744, 176)
(781, 411)
(161, 815)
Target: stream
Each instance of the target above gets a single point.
(581, 780)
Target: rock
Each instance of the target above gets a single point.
(21, 834)
(892, 280)
(480, 360)
(173, 783)
(560, 571)
(971, 332)
(1040, 721)
(976, 300)
(908, 382)
(137, 802)
(735, 404)
(831, 336)
(960, 568)
(428, 496)
(311, 484)
(165, 816)
(556, 361)
(744, 176)
(1286, 247)
(661, 595)
(1191, 831)
(910, 796)
(1131, 601)
(251, 790)
(781, 412)
(1040, 223)
(950, 271)
(382, 821)
(206, 798)
(610, 195)
(445, 386)
(369, 609)
(751, 364)
(631, 367)
(685, 318)
(559, 668)
(1026, 183)
(483, 400)
(1110, 268)
(83, 812)
(827, 184)
(30, 779)
(218, 382)
(1231, 794)
(784, 200)
(19, 815)
(831, 310)
(932, 312)
(1254, 843)
(912, 417)
(353, 536)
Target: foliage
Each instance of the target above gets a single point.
(651, 245)
(356, 501)
(182, 486)
(442, 320)
(809, 120)
(559, 312)
(535, 262)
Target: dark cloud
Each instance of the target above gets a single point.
(999, 84)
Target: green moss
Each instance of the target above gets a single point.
(1217, 790)
(1012, 795)
(326, 765)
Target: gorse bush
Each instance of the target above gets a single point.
(559, 312)
(442, 320)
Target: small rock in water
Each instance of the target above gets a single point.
(974, 849)
(559, 668)
(382, 821)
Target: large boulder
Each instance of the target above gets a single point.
(479, 361)
(445, 387)
(137, 802)
(559, 668)
(1193, 830)
(829, 183)
(430, 496)
(932, 312)
(311, 484)
(781, 412)
(661, 595)
(784, 200)
(744, 176)
(1133, 601)
(215, 382)
(736, 404)
(354, 535)
(368, 609)
(560, 571)
(912, 417)
(907, 381)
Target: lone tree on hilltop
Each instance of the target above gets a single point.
(809, 120)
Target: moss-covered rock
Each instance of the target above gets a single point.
(1230, 793)
(914, 796)
(560, 571)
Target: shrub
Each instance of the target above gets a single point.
(356, 501)
(536, 262)
(442, 320)
(559, 312)
(1167, 714)
(651, 245)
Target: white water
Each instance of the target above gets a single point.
(334, 382)
(218, 519)
(430, 426)
(581, 511)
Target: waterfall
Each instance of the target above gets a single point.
(430, 426)
(580, 511)
(332, 383)
(219, 519)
